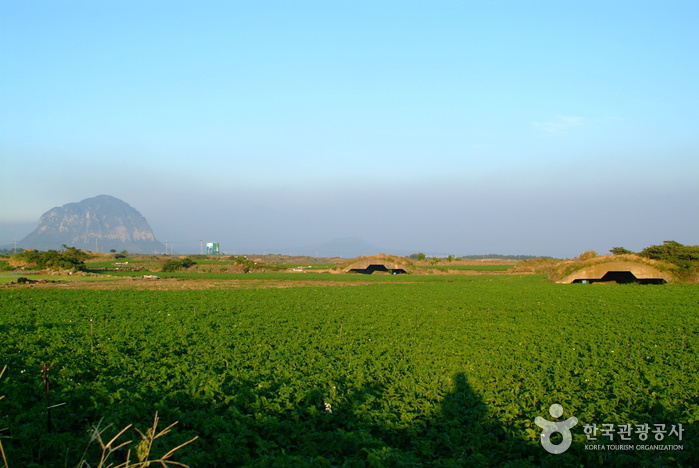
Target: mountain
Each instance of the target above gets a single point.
(100, 223)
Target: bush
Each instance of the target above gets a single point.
(620, 251)
(590, 254)
(176, 264)
(684, 257)
(70, 258)
(244, 263)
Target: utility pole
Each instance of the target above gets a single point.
(15, 245)
(166, 247)
(201, 246)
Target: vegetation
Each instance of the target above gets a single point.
(587, 255)
(421, 256)
(176, 264)
(620, 251)
(398, 371)
(66, 259)
(684, 257)
(500, 257)
(244, 263)
(484, 267)
(539, 265)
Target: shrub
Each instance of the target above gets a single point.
(619, 251)
(244, 263)
(684, 257)
(69, 258)
(587, 255)
(176, 264)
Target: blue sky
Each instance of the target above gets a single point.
(463, 127)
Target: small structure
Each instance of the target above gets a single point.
(377, 267)
(379, 263)
(622, 271)
(620, 277)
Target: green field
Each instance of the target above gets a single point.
(436, 370)
(486, 267)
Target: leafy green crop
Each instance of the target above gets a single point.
(485, 267)
(428, 371)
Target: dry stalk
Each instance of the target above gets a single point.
(142, 449)
(2, 451)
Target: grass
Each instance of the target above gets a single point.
(313, 266)
(6, 278)
(467, 267)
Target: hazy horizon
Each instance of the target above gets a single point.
(524, 128)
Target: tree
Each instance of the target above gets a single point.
(69, 258)
(620, 251)
(685, 257)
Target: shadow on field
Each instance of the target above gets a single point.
(266, 423)
(363, 428)
(366, 427)
(464, 433)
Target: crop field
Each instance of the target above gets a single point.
(338, 370)
(495, 267)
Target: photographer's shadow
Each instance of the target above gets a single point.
(466, 433)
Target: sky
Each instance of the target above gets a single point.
(445, 127)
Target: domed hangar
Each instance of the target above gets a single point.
(614, 270)
(379, 263)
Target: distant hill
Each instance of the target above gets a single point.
(345, 247)
(100, 223)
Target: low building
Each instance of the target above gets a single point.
(609, 270)
(379, 263)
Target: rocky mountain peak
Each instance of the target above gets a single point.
(100, 223)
